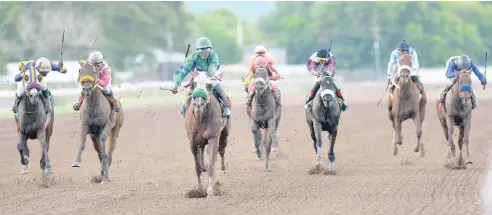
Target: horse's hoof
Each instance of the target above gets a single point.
(24, 169)
(223, 168)
(274, 149)
(469, 162)
(395, 151)
(268, 170)
(204, 170)
(104, 181)
(416, 150)
(210, 192)
(76, 164)
(253, 151)
(48, 172)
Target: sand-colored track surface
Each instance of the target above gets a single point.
(153, 167)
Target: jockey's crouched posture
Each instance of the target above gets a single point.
(262, 62)
(103, 79)
(455, 65)
(43, 66)
(204, 60)
(404, 48)
(322, 63)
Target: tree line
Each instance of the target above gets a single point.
(436, 30)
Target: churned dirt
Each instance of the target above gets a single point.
(153, 167)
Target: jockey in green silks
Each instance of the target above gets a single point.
(204, 59)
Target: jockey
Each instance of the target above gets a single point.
(203, 60)
(43, 66)
(457, 64)
(404, 48)
(261, 51)
(319, 64)
(104, 79)
(262, 62)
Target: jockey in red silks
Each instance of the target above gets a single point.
(262, 62)
(319, 64)
(104, 79)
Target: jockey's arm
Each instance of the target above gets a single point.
(184, 69)
(22, 69)
(415, 61)
(450, 73)
(105, 77)
(55, 67)
(311, 66)
(249, 77)
(332, 64)
(477, 72)
(391, 64)
(214, 64)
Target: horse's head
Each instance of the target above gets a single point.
(201, 92)
(260, 80)
(405, 68)
(32, 80)
(327, 88)
(465, 83)
(87, 78)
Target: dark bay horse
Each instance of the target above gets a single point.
(98, 120)
(457, 111)
(324, 116)
(265, 114)
(205, 126)
(33, 122)
(406, 102)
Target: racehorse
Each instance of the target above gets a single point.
(205, 126)
(98, 119)
(33, 122)
(457, 111)
(324, 116)
(265, 114)
(406, 102)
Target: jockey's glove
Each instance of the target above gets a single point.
(484, 82)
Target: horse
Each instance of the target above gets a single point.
(98, 119)
(406, 102)
(324, 116)
(457, 111)
(265, 114)
(205, 126)
(33, 122)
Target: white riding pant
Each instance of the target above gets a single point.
(21, 87)
(106, 89)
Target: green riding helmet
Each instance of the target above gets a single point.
(203, 42)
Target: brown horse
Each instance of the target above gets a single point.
(265, 114)
(406, 102)
(33, 123)
(205, 126)
(457, 111)
(98, 120)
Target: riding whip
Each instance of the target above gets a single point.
(329, 49)
(485, 73)
(94, 44)
(61, 50)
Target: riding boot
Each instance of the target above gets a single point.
(112, 99)
(339, 95)
(249, 99)
(278, 97)
(184, 105)
(416, 79)
(473, 100)
(219, 93)
(76, 106)
(312, 94)
(17, 100)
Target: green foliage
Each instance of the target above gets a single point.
(437, 30)
(220, 27)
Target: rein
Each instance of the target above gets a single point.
(94, 80)
(458, 87)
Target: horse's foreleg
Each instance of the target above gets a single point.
(397, 139)
(319, 143)
(44, 146)
(198, 169)
(214, 148)
(450, 152)
(466, 140)
(222, 145)
(257, 136)
(112, 144)
(331, 153)
(461, 162)
(83, 136)
(269, 139)
(104, 157)
(201, 158)
(418, 127)
(273, 134)
(23, 152)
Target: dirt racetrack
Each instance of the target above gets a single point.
(153, 167)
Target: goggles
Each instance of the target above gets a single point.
(203, 51)
(322, 60)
